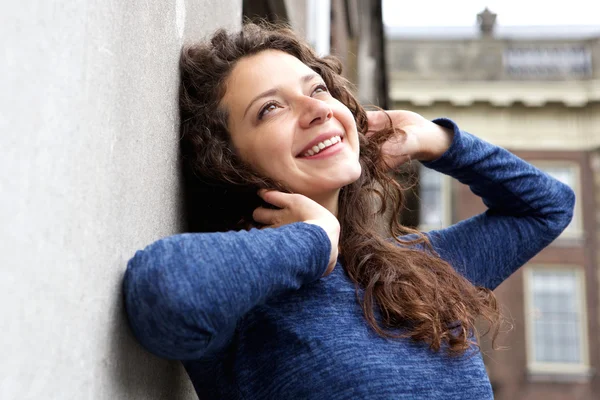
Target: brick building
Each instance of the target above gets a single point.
(536, 92)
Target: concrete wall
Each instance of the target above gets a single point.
(88, 138)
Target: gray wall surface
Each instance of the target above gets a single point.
(89, 174)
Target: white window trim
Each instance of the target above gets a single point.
(534, 367)
(446, 205)
(577, 212)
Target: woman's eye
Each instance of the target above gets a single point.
(266, 109)
(320, 89)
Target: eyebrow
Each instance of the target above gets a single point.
(271, 92)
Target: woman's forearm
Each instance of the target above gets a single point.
(527, 210)
(185, 293)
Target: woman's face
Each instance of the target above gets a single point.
(285, 124)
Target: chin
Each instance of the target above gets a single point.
(354, 172)
(350, 175)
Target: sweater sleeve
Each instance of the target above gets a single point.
(527, 210)
(184, 294)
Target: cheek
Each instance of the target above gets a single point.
(246, 152)
(344, 115)
(347, 120)
(266, 156)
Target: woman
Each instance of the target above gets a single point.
(316, 304)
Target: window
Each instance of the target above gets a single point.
(556, 320)
(548, 62)
(434, 193)
(567, 173)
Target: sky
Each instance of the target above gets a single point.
(510, 12)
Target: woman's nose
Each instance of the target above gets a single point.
(314, 112)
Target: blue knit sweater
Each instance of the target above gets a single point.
(250, 316)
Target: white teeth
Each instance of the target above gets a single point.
(320, 146)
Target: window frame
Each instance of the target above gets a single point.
(556, 368)
(446, 201)
(573, 233)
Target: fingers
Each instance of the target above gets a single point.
(275, 197)
(396, 151)
(267, 216)
(271, 217)
(377, 120)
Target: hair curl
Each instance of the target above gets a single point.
(419, 295)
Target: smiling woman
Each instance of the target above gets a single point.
(317, 303)
(292, 114)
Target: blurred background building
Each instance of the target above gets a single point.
(535, 91)
(352, 30)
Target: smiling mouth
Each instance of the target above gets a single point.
(321, 146)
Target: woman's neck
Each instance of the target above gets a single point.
(329, 201)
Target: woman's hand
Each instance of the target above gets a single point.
(417, 139)
(299, 208)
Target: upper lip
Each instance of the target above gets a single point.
(321, 138)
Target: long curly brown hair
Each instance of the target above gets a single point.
(419, 295)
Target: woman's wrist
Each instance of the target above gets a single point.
(434, 143)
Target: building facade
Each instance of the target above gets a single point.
(536, 92)
(351, 30)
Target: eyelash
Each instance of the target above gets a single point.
(261, 113)
(321, 86)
